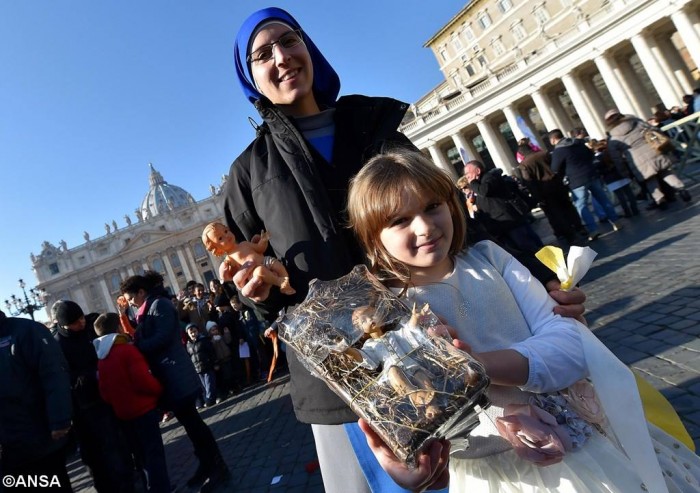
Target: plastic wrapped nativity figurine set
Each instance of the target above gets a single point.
(388, 362)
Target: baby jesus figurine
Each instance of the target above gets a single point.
(219, 240)
(392, 349)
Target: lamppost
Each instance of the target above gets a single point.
(32, 302)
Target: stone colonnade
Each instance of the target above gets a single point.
(635, 71)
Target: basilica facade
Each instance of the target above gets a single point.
(165, 237)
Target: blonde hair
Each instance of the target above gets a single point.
(375, 196)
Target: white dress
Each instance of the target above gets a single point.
(560, 352)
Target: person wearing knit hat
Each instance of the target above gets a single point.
(210, 325)
(68, 315)
(96, 428)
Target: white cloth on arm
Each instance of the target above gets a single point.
(339, 466)
(492, 302)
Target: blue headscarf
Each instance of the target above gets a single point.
(326, 85)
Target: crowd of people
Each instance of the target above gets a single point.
(355, 190)
(574, 182)
(108, 380)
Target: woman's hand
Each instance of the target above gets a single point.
(431, 472)
(250, 285)
(570, 303)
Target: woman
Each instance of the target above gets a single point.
(627, 142)
(158, 338)
(292, 181)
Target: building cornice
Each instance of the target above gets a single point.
(452, 22)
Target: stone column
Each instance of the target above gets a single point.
(169, 270)
(183, 263)
(634, 89)
(502, 158)
(192, 262)
(589, 120)
(77, 294)
(110, 303)
(544, 108)
(658, 78)
(606, 66)
(676, 64)
(665, 66)
(688, 33)
(466, 151)
(441, 161)
(564, 120)
(512, 119)
(595, 102)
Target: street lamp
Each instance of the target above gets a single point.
(32, 302)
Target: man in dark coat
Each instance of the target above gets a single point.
(552, 195)
(35, 403)
(571, 158)
(102, 447)
(495, 205)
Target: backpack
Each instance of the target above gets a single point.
(519, 200)
(657, 140)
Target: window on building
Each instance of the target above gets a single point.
(456, 79)
(199, 251)
(175, 260)
(484, 20)
(519, 32)
(93, 292)
(468, 32)
(157, 265)
(470, 69)
(504, 5)
(498, 47)
(541, 14)
(482, 60)
(443, 54)
(456, 43)
(114, 282)
(53, 268)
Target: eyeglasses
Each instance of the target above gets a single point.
(264, 54)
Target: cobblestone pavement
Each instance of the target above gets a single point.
(643, 303)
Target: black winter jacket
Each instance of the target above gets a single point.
(82, 363)
(35, 396)
(281, 184)
(492, 195)
(158, 338)
(573, 159)
(202, 354)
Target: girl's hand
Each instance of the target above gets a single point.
(249, 285)
(570, 303)
(431, 472)
(459, 344)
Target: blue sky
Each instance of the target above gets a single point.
(91, 92)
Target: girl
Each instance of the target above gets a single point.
(407, 216)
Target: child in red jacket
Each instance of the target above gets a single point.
(126, 384)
